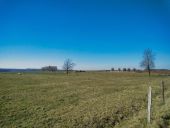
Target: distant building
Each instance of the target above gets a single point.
(49, 68)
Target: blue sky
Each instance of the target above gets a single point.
(95, 34)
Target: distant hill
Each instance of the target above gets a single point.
(18, 70)
(160, 71)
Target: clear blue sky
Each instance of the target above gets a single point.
(95, 34)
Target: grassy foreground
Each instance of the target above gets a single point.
(82, 100)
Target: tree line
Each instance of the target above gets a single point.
(124, 69)
(147, 63)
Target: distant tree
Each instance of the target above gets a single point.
(134, 69)
(148, 60)
(49, 68)
(128, 69)
(119, 69)
(68, 65)
(112, 69)
(124, 69)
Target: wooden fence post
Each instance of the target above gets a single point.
(149, 103)
(163, 91)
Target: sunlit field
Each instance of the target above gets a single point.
(82, 100)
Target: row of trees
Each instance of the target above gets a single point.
(124, 69)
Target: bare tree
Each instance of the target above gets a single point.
(124, 69)
(128, 69)
(68, 65)
(119, 69)
(112, 69)
(134, 69)
(148, 60)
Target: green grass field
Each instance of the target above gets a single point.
(82, 100)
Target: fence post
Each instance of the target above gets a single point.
(163, 91)
(149, 103)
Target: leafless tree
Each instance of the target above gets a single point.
(68, 65)
(124, 69)
(148, 60)
(128, 69)
(119, 69)
(112, 69)
(134, 69)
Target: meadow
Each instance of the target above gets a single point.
(82, 100)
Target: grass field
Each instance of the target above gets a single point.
(82, 100)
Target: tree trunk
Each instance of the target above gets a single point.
(67, 72)
(149, 72)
